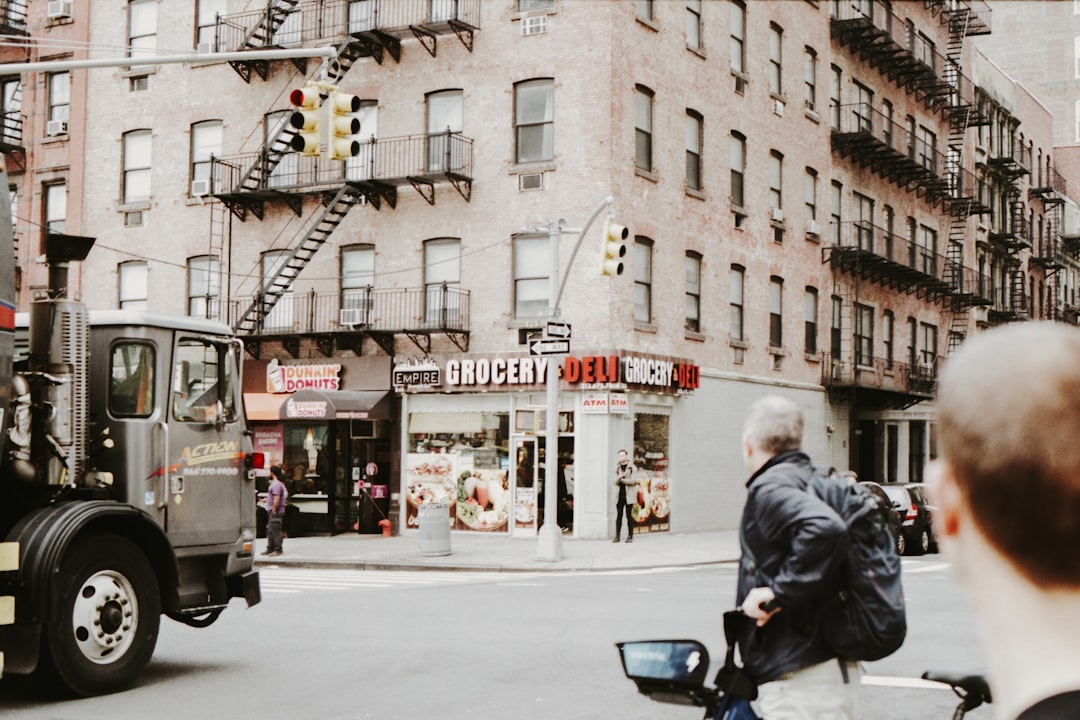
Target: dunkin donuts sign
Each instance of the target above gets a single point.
(290, 378)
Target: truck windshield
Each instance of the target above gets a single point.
(203, 382)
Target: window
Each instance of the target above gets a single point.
(1076, 57)
(738, 168)
(810, 78)
(776, 178)
(208, 12)
(137, 166)
(888, 322)
(642, 280)
(927, 145)
(835, 328)
(864, 107)
(442, 279)
(204, 286)
(927, 262)
(55, 210)
(643, 9)
(532, 263)
(810, 308)
(280, 316)
(776, 312)
(694, 125)
(928, 357)
(864, 335)
(142, 29)
(910, 126)
(692, 265)
(643, 110)
(887, 122)
(864, 225)
(835, 99)
(836, 194)
(776, 59)
(534, 120)
(204, 383)
(205, 143)
(738, 40)
(913, 344)
(524, 5)
(693, 24)
(736, 279)
(131, 379)
(133, 284)
(890, 230)
(810, 193)
(11, 107)
(59, 85)
(444, 117)
(357, 280)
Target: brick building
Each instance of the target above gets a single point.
(808, 210)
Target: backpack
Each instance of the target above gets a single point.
(865, 619)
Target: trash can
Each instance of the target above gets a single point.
(434, 521)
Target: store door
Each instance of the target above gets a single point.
(369, 485)
(525, 509)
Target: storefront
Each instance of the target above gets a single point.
(474, 437)
(328, 425)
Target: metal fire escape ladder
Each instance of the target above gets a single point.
(245, 197)
(261, 35)
(313, 239)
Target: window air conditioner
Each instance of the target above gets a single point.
(58, 9)
(352, 316)
(813, 227)
(200, 188)
(56, 127)
(534, 25)
(778, 215)
(778, 107)
(203, 48)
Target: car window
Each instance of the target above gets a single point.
(897, 495)
(918, 495)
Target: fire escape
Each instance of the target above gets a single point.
(871, 140)
(12, 145)
(1048, 250)
(245, 184)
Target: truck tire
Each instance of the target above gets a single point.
(109, 612)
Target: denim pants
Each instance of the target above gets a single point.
(274, 533)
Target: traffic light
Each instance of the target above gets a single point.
(343, 125)
(613, 248)
(306, 119)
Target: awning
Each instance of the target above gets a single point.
(337, 405)
(316, 405)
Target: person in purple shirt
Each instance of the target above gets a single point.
(277, 497)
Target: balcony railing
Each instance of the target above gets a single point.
(883, 374)
(423, 159)
(438, 308)
(13, 17)
(329, 19)
(874, 254)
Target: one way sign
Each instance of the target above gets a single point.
(549, 346)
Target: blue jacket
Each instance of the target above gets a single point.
(791, 542)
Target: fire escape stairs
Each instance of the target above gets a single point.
(310, 243)
(261, 36)
(246, 197)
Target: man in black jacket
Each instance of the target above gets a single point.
(790, 543)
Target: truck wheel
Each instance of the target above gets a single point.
(109, 613)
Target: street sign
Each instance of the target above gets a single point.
(549, 346)
(557, 330)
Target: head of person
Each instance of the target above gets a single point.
(774, 425)
(1008, 477)
(622, 457)
(277, 472)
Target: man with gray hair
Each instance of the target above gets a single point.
(790, 542)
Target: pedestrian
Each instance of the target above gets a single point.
(277, 499)
(1006, 490)
(624, 483)
(789, 541)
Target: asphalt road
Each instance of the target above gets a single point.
(368, 644)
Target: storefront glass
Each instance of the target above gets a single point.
(652, 511)
(462, 459)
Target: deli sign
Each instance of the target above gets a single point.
(646, 372)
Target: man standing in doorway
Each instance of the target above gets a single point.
(624, 481)
(277, 497)
(789, 541)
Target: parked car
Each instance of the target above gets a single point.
(912, 502)
(895, 524)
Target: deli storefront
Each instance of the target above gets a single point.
(473, 436)
(328, 424)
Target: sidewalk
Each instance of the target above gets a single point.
(485, 552)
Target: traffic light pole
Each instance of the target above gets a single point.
(172, 58)
(549, 540)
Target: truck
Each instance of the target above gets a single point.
(127, 478)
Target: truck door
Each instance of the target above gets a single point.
(206, 489)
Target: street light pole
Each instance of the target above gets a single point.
(549, 539)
